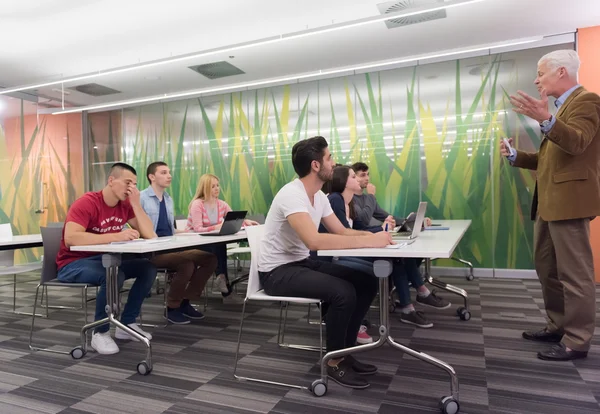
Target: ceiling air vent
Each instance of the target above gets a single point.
(95, 89)
(217, 70)
(407, 6)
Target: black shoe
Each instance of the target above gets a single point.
(343, 374)
(189, 311)
(175, 316)
(542, 336)
(359, 367)
(559, 352)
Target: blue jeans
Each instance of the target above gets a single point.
(406, 270)
(90, 270)
(403, 272)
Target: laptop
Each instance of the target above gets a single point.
(231, 224)
(413, 224)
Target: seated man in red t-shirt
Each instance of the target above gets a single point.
(99, 218)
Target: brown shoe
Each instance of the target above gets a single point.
(542, 336)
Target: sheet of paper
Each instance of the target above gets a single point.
(145, 241)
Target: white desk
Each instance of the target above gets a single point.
(21, 242)
(177, 242)
(430, 244)
(111, 260)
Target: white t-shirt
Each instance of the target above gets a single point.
(281, 244)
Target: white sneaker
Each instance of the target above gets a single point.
(121, 334)
(104, 344)
(222, 283)
(232, 299)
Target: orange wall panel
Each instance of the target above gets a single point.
(588, 45)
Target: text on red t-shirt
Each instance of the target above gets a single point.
(91, 212)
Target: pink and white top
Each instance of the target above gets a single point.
(198, 217)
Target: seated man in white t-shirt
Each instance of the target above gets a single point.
(285, 268)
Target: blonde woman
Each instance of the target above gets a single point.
(206, 213)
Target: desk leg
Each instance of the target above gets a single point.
(382, 269)
(462, 312)
(111, 263)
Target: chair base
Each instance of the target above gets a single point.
(280, 343)
(84, 339)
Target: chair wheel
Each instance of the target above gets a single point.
(318, 388)
(463, 313)
(470, 277)
(77, 352)
(449, 405)
(143, 368)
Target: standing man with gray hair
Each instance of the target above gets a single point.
(566, 198)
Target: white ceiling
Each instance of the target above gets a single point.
(45, 40)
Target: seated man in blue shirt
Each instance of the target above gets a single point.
(193, 267)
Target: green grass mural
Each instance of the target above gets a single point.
(245, 138)
(40, 173)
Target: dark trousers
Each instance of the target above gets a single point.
(348, 293)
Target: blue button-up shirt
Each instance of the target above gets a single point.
(151, 205)
(560, 101)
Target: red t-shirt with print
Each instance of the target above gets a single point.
(91, 212)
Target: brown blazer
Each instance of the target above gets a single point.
(568, 162)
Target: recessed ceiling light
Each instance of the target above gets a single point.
(61, 91)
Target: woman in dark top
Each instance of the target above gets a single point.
(343, 187)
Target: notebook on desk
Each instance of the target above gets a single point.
(413, 224)
(231, 224)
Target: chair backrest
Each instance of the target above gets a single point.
(51, 237)
(259, 218)
(6, 231)
(180, 224)
(255, 235)
(7, 257)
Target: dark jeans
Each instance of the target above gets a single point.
(408, 271)
(90, 270)
(347, 292)
(219, 250)
(403, 272)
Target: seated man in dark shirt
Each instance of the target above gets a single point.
(193, 267)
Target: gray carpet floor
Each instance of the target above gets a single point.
(498, 371)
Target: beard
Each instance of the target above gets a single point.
(324, 175)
